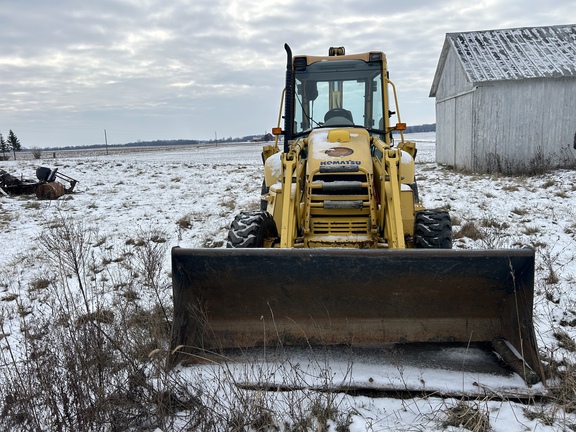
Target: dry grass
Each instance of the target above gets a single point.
(511, 188)
(494, 224)
(95, 356)
(82, 366)
(565, 341)
(5, 217)
(550, 263)
(34, 205)
(540, 414)
(40, 283)
(468, 415)
(530, 230)
(9, 297)
(470, 230)
(562, 389)
(520, 211)
(456, 221)
(185, 222)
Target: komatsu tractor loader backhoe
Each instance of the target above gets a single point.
(342, 252)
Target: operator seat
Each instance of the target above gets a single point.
(338, 116)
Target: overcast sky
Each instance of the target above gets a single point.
(200, 69)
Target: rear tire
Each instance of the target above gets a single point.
(433, 230)
(251, 229)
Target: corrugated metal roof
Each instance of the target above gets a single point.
(513, 54)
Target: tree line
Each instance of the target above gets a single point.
(12, 143)
(421, 128)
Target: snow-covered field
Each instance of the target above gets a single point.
(188, 197)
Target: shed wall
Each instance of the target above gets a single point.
(524, 126)
(453, 115)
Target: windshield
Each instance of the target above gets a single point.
(338, 93)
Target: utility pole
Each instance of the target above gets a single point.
(106, 141)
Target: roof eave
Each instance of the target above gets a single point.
(440, 66)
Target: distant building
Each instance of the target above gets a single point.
(265, 137)
(506, 100)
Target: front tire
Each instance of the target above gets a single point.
(433, 230)
(265, 190)
(252, 229)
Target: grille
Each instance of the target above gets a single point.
(325, 226)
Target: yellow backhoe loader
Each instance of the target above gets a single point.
(342, 252)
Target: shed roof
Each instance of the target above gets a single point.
(512, 54)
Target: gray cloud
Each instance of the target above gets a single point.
(147, 69)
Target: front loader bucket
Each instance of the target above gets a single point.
(241, 298)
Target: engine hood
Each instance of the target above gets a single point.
(345, 147)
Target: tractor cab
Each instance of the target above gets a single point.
(340, 91)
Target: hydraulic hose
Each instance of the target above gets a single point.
(288, 105)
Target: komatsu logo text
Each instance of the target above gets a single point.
(344, 162)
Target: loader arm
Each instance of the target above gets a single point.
(393, 227)
(387, 179)
(291, 194)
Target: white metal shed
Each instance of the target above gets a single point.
(506, 100)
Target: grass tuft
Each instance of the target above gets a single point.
(469, 416)
(470, 230)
